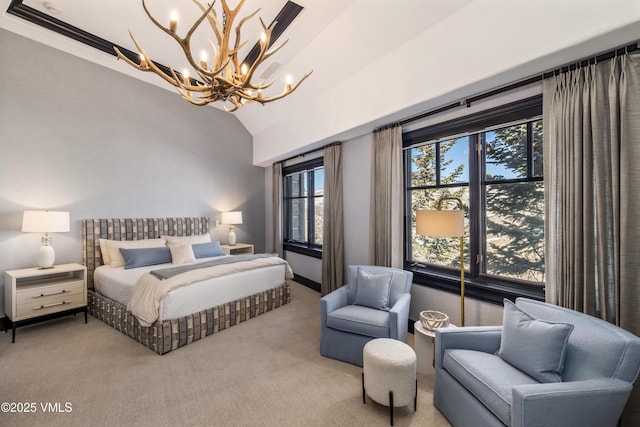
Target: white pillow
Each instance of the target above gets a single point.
(184, 240)
(113, 248)
(104, 251)
(182, 254)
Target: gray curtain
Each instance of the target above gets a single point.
(276, 180)
(591, 170)
(332, 222)
(386, 198)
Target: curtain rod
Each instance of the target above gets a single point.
(306, 153)
(563, 69)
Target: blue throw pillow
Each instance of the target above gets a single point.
(373, 290)
(207, 250)
(142, 257)
(536, 347)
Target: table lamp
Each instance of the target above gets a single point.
(231, 218)
(45, 222)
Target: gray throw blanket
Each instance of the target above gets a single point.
(167, 273)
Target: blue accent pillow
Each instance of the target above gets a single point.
(536, 347)
(142, 257)
(373, 290)
(207, 250)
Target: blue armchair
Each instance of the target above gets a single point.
(374, 304)
(545, 366)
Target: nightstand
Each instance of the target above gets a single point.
(33, 295)
(237, 249)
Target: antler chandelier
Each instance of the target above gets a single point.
(225, 78)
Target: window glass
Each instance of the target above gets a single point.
(298, 220)
(303, 209)
(506, 153)
(423, 165)
(515, 230)
(536, 143)
(454, 160)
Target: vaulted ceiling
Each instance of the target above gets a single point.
(373, 61)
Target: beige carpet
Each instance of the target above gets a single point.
(264, 372)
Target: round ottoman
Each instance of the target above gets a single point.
(389, 373)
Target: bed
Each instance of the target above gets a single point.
(188, 313)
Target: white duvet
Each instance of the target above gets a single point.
(118, 284)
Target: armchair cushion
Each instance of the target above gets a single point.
(360, 320)
(489, 378)
(373, 290)
(536, 347)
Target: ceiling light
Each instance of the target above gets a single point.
(52, 7)
(225, 78)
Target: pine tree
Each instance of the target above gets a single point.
(515, 211)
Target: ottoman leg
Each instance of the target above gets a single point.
(415, 399)
(364, 400)
(391, 406)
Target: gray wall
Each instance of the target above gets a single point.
(79, 137)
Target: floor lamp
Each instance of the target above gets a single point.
(445, 223)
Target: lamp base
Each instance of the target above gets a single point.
(46, 257)
(232, 237)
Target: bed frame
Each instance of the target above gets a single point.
(169, 335)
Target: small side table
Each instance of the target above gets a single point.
(424, 343)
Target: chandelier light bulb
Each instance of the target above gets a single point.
(185, 76)
(143, 61)
(263, 37)
(244, 69)
(203, 59)
(173, 21)
(287, 82)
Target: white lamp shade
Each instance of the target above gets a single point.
(445, 223)
(45, 222)
(233, 217)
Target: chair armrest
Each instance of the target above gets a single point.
(399, 318)
(331, 302)
(479, 338)
(597, 402)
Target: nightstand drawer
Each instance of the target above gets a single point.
(51, 304)
(45, 292)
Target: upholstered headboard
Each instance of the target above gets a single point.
(132, 229)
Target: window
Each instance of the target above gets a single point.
(303, 206)
(493, 162)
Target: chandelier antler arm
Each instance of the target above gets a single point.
(149, 65)
(220, 63)
(264, 45)
(238, 46)
(287, 91)
(212, 18)
(230, 16)
(266, 100)
(184, 42)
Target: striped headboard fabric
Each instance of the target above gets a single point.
(132, 229)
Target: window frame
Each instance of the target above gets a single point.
(307, 247)
(478, 285)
